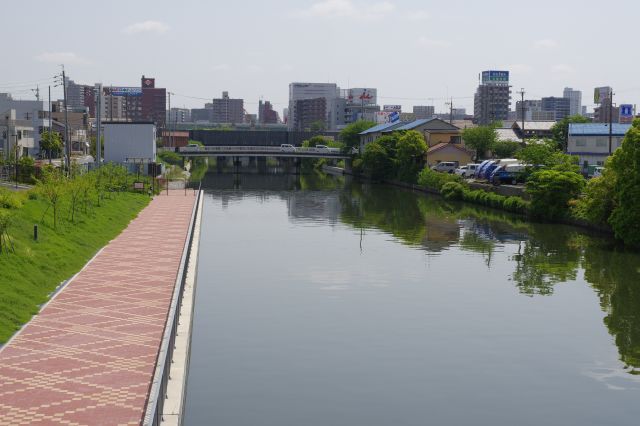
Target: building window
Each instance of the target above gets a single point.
(602, 142)
(581, 142)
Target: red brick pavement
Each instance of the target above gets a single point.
(89, 356)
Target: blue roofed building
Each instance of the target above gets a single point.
(590, 141)
(373, 133)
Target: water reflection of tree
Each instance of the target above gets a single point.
(548, 254)
(615, 275)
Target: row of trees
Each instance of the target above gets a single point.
(484, 139)
(79, 192)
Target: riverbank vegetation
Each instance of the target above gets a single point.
(75, 216)
(555, 189)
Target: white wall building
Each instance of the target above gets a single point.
(590, 141)
(35, 112)
(328, 91)
(129, 142)
(14, 131)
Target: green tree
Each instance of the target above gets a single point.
(318, 126)
(551, 191)
(410, 150)
(52, 187)
(560, 130)
(350, 135)
(377, 161)
(481, 139)
(545, 153)
(51, 143)
(505, 149)
(315, 140)
(625, 164)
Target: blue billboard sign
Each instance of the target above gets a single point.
(493, 76)
(394, 116)
(125, 91)
(626, 110)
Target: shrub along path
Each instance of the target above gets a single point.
(89, 356)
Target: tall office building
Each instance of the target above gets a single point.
(493, 98)
(560, 107)
(309, 112)
(227, 110)
(575, 100)
(424, 111)
(330, 92)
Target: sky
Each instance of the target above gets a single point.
(415, 52)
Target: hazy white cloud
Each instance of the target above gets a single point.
(146, 27)
(254, 68)
(286, 67)
(61, 58)
(221, 67)
(518, 68)
(563, 69)
(430, 42)
(347, 9)
(545, 43)
(418, 15)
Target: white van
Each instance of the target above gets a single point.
(445, 167)
(287, 147)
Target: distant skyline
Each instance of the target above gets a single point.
(414, 52)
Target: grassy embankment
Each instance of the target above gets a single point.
(30, 274)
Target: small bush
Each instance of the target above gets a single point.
(170, 157)
(452, 191)
(435, 180)
(490, 199)
(9, 200)
(551, 191)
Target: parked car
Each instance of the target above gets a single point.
(445, 167)
(467, 171)
(508, 174)
(322, 148)
(287, 147)
(482, 170)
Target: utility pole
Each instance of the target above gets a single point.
(522, 112)
(169, 126)
(610, 121)
(50, 125)
(67, 142)
(450, 110)
(98, 90)
(37, 92)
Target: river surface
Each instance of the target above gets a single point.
(322, 301)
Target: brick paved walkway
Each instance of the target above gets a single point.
(89, 356)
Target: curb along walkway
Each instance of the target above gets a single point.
(88, 357)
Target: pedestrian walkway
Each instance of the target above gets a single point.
(89, 356)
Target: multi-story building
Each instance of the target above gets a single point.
(154, 102)
(114, 108)
(424, 111)
(493, 97)
(560, 107)
(227, 110)
(575, 100)
(35, 112)
(266, 113)
(17, 136)
(330, 92)
(605, 113)
(201, 115)
(590, 141)
(309, 113)
(179, 115)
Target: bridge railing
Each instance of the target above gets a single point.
(259, 149)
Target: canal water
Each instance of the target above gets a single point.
(322, 301)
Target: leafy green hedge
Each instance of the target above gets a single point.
(452, 187)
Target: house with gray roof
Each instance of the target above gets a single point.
(590, 141)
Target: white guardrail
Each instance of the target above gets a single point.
(259, 149)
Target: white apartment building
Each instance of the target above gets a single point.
(575, 100)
